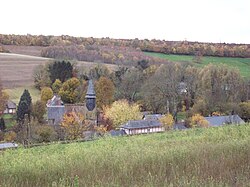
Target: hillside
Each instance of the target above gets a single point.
(198, 157)
(243, 64)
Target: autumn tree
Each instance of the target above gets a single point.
(46, 94)
(105, 89)
(198, 120)
(219, 85)
(61, 70)
(167, 121)
(99, 71)
(73, 125)
(38, 111)
(121, 111)
(69, 91)
(245, 110)
(56, 86)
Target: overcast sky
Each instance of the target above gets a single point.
(194, 20)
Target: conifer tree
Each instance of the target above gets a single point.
(24, 106)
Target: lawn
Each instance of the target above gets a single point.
(243, 64)
(198, 157)
(15, 93)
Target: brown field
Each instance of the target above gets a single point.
(16, 69)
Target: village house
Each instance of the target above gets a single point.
(10, 107)
(142, 127)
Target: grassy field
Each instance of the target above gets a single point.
(197, 157)
(15, 93)
(243, 64)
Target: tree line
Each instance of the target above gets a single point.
(162, 46)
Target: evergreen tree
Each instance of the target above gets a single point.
(61, 70)
(2, 125)
(24, 106)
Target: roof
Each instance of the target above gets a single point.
(8, 145)
(179, 126)
(11, 104)
(222, 120)
(152, 116)
(117, 132)
(55, 101)
(139, 124)
(91, 90)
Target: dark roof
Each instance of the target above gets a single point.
(179, 126)
(91, 90)
(152, 116)
(222, 120)
(117, 132)
(138, 124)
(8, 145)
(11, 104)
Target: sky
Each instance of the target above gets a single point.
(176, 20)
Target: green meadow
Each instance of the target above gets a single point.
(197, 157)
(243, 64)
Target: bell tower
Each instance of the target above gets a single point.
(90, 100)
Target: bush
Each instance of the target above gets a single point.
(198, 120)
(45, 133)
(10, 136)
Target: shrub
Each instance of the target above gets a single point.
(10, 136)
(198, 120)
(167, 121)
(45, 133)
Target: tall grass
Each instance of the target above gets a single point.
(198, 157)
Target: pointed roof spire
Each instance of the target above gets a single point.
(91, 90)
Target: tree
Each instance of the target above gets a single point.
(56, 86)
(161, 92)
(2, 125)
(130, 85)
(99, 71)
(24, 106)
(74, 125)
(61, 70)
(38, 111)
(104, 92)
(219, 85)
(3, 98)
(46, 94)
(245, 110)
(69, 91)
(198, 120)
(121, 111)
(41, 76)
(167, 121)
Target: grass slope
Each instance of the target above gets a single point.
(198, 157)
(243, 64)
(15, 93)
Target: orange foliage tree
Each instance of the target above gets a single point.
(73, 125)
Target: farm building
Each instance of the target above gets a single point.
(7, 145)
(10, 108)
(216, 121)
(142, 127)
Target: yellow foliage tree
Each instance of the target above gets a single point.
(105, 90)
(198, 120)
(10, 136)
(46, 94)
(73, 124)
(121, 111)
(69, 90)
(56, 86)
(167, 121)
